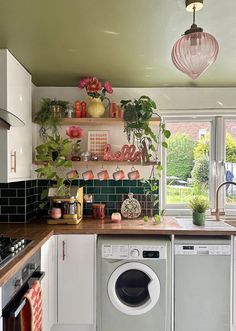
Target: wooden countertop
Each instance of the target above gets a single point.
(40, 232)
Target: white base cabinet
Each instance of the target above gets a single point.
(49, 282)
(76, 282)
(15, 97)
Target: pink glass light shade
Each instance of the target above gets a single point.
(194, 53)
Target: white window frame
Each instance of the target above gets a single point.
(217, 162)
(230, 210)
(214, 177)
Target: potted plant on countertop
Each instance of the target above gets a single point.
(137, 114)
(199, 205)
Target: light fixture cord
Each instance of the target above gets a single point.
(194, 11)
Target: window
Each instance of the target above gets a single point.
(187, 161)
(201, 155)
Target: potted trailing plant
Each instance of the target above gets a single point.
(53, 154)
(50, 115)
(137, 114)
(199, 205)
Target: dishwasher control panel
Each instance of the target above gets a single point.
(133, 252)
(188, 249)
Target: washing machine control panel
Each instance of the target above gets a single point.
(133, 252)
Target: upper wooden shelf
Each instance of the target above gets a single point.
(100, 121)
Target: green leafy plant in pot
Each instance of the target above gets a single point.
(137, 114)
(199, 205)
(53, 154)
(50, 115)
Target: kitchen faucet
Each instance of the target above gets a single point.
(217, 212)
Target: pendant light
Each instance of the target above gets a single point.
(196, 50)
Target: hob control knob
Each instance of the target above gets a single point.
(134, 253)
(11, 249)
(32, 266)
(18, 283)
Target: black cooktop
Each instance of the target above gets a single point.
(10, 247)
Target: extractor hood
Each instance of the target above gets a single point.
(8, 119)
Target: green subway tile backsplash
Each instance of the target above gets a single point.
(113, 193)
(109, 190)
(122, 190)
(19, 201)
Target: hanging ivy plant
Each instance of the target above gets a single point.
(53, 153)
(137, 114)
(50, 115)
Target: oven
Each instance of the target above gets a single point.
(13, 291)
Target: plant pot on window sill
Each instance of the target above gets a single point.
(199, 218)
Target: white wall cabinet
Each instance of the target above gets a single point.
(15, 97)
(76, 281)
(49, 282)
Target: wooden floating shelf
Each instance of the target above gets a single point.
(100, 121)
(101, 162)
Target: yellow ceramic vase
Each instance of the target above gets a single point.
(95, 107)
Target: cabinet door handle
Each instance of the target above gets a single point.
(13, 161)
(63, 250)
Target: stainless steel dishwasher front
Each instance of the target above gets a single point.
(202, 284)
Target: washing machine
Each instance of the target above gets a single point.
(133, 283)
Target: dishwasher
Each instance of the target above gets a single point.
(202, 268)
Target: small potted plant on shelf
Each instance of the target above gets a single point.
(96, 91)
(199, 205)
(50, 115)
(75, 132)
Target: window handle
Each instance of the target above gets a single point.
(221, 163)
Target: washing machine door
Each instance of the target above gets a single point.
(134, 288)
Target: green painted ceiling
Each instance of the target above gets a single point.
(125, 41)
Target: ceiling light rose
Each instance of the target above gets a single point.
(196, 50)
(190, 4)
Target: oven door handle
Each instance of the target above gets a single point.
(15, 311)
(37, 275)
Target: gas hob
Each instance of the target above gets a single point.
(10, 248)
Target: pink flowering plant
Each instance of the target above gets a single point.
(75, 132)
(95, 88)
